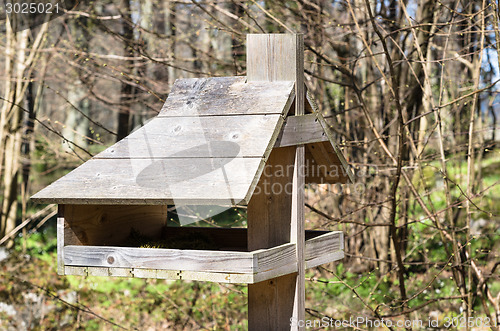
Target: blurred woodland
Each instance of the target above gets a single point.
(408, 87)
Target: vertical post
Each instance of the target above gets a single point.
(275, 218)
(298, 196)
(60, 239)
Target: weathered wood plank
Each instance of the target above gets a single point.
(219, 277)
(272, 58)
(319, 152)
(101, 272)
(75, 271)
(329, 241)
(168, 259)
(325, 248)
(275, 273)
(323, 166)
(96, 271)
(60, 239)
(163, 181)
(91, 223)
(324, 163)
(276, 308)
(149, 221)
(146, 273)
(297, 230)
(185, 137)
(117, 182)
(226, 96)
(298, 130)
(120, 272)
(275, 257)
(162, 274)
(326, 258)
(335, 154)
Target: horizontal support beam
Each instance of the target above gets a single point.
(299, 130)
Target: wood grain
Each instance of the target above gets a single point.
(299, 130)
(323, 165)
(323, 249)
(60, 239)
(197, 137)
(158, 181)
(218, 277)
(168, 259)
(226, 96)
(181, 259)
(272, 57)
(297, 230)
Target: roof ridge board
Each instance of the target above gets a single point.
(207, 96)
(198, 87)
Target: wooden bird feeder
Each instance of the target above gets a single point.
(227, 141)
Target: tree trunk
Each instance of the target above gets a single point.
(11, 127)
(127, 90)
(19, 57)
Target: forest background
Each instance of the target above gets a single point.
(409, 89)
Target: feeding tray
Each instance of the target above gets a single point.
(202, 148)
(96, 247)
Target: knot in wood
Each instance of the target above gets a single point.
(111, 260)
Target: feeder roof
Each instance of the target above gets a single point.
(208, 145)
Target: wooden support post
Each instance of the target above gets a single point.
(60, 239)
(276, 211)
